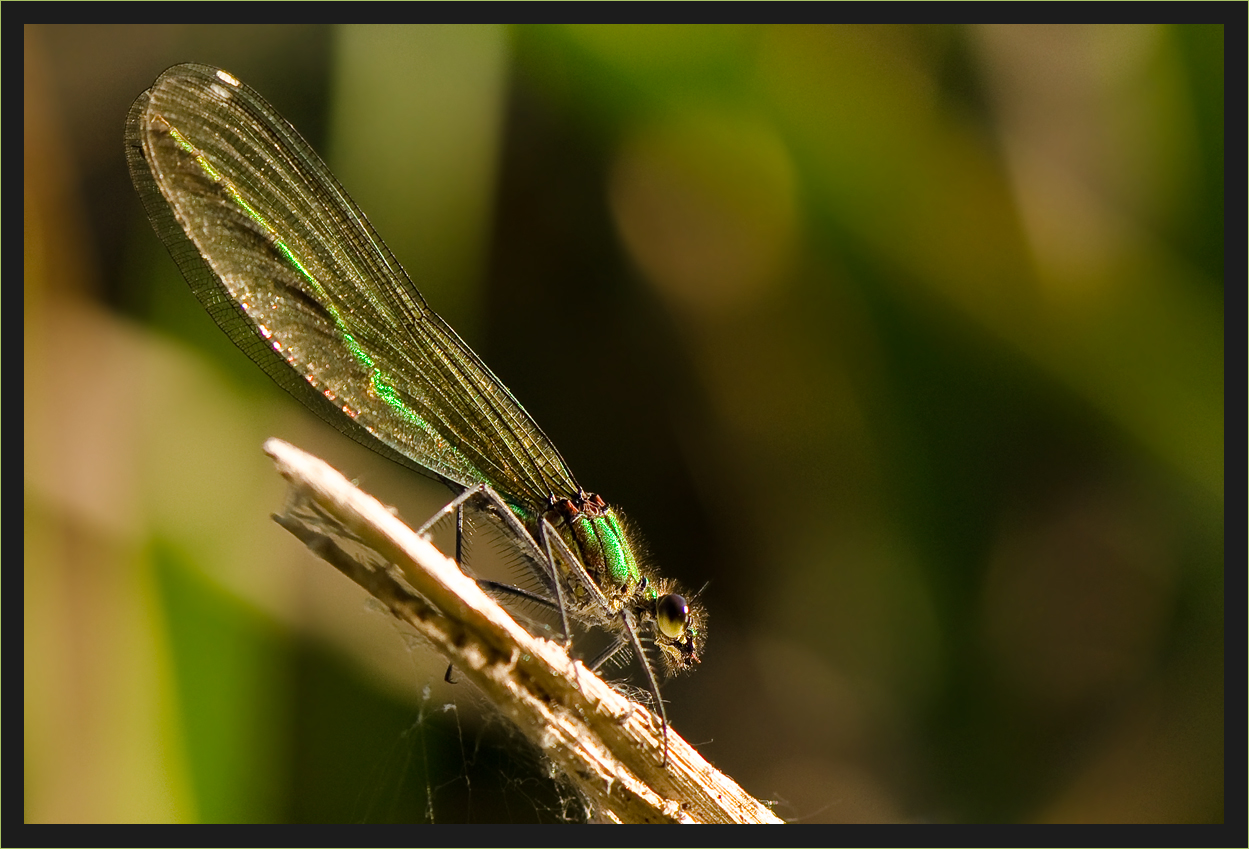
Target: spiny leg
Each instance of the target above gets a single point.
(453, 504)
(548, 533)
(626, 617)
(543, 553)
(623, 641)
(456, 504)
(516, 592)
(618, 645)
(459, 535)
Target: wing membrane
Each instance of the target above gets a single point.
(292, 271)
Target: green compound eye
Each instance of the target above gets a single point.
(671, 614)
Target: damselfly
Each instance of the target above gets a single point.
(292, 271)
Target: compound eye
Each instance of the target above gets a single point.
(671, 614)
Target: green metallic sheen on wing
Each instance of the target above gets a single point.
(381, 386)
(289, 267)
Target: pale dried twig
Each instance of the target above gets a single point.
(608, 746)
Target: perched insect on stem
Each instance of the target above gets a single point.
(291, 270)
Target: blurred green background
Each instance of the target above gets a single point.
(908, 339)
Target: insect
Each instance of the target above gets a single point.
(288, 266)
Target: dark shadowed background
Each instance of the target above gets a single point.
(909, 340)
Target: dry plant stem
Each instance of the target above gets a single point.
(608, 746)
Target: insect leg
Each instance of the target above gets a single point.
(626, 616)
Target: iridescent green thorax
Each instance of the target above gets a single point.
(594, 531)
